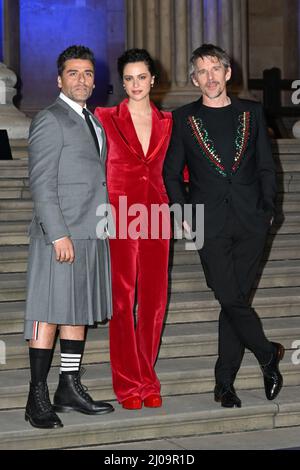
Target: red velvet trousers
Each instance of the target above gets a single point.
(139, 270)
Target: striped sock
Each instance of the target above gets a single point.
(71, 352)
(69, 363)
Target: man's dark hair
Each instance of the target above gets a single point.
(136, 55)
(74, 52)
(208, 50)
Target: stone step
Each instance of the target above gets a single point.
(24, 215)
(184, 307)
(286, 147)
(13, 227)
(13, 253)
(12, 183)
(287, 163)
(202, 306)
(279, 247)
(179, 376)
(20, 171)
(190, 415)
(190, 340)
(290, 183)
(287, 223)
(288, 202)
(20, 153)
(12, 204)
(11, 281)
(12, 317)
(9, 239)
(183, 278)
(15, 193)
(15, 232)
(19, 148)
(182, 340)
(13, 164)
(19, 188)
(12, 286)
(286, 439)
(13, 169)
(13, 265)
(287, 183)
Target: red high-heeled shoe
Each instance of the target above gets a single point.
(132, 403)
(153, 401)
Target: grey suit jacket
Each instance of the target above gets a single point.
(66, 175)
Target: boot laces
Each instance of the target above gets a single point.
(81, 389)
(42, 398)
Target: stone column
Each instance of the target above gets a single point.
(181, 43)
(11, 34)
(245, 93)
(211, 21)
(11, 119)
(226, 30)
(196, 22)
(172, 29)
(165, 33)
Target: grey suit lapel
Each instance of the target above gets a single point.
(74, 116)
(103, 137)
(80, 121)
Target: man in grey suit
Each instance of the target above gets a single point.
(69, 283)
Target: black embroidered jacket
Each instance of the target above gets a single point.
(249, 187)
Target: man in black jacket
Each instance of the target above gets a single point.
(224, 144)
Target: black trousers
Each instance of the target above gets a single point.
(230, 262)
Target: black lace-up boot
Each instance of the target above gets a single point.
(72, 395)
(39, 411)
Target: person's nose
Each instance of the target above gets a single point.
(210, 75)
(81, 78)
(135, 83)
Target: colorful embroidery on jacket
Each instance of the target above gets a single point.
(207, 146)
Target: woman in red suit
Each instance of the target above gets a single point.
(138, 135)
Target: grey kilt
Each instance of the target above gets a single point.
(68, 294)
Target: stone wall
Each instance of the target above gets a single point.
(47, 28)
(274, 38)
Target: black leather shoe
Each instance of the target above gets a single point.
(226, 394)
(272, 377)
(72, 395)
(39, 411)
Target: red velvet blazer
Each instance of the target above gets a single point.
(129, 171)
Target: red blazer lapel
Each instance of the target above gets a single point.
(124, 124)
(161, 129)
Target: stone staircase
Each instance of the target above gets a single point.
(189, 342)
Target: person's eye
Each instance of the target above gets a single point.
(143, 77)
(127, 79)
